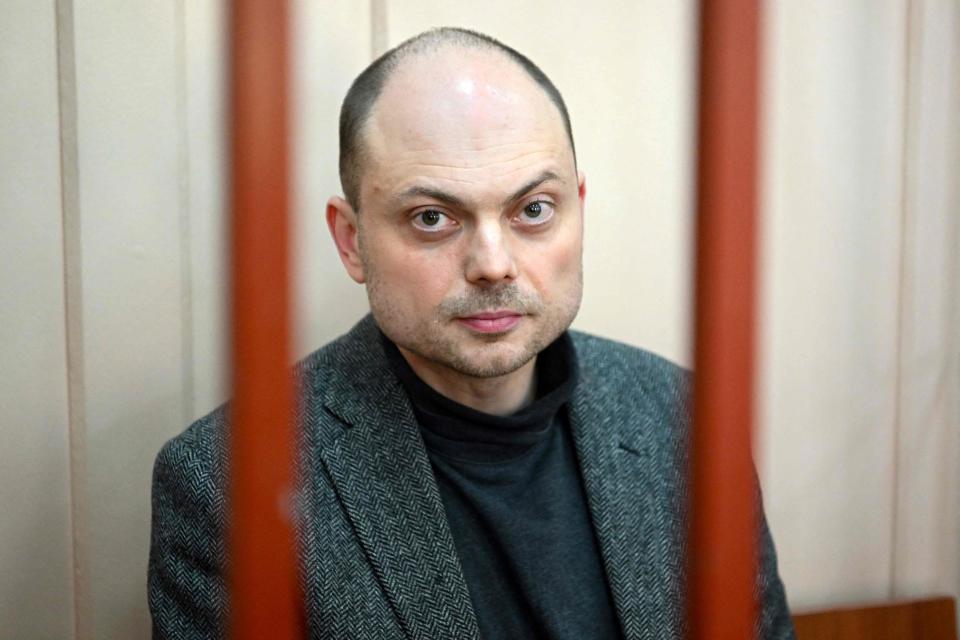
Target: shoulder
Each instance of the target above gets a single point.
(632, 377)
(335, 370)
(354, 359)
(192, 463)
(620, 367)
(596, 351)
(343, 354)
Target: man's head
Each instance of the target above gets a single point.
(459, 152)
(367, 87)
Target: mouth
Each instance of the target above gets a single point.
(492, 321)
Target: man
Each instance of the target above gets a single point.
(469, 467)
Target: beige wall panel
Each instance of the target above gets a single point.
(625, 71)
(203, 67)
(332, 46)
(927, 534)
(35, 557)
(834, 96)
(134, 344)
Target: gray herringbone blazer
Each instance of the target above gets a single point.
(378, 559)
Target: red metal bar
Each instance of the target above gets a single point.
(723, 535)
(264, 597)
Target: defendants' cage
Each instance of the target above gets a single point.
(264, 593)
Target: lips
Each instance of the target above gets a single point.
(492, 321)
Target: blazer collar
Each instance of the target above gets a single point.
(381, 472)
(622, 475)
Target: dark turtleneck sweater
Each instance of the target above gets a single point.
(515, 502)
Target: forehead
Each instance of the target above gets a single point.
(466, 117)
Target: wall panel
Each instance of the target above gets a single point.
(332, 45)
(834, 115)
(35, 552)
(927, 517)
(204, 162)
(130, 200)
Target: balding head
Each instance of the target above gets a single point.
(414, 64)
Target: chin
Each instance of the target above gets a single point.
(490, 367)
(501, 366)
(496, 358)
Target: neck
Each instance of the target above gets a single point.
(501, 395)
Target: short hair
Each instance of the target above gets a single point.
(366, 89)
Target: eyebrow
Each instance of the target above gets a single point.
(455, 201)
(546, 176)
(429, 192)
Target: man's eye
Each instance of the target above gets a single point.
(537, 212)
(432, 220)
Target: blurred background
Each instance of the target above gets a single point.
(112, 286)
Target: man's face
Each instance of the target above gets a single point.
(471, 228)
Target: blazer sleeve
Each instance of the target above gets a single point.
(187, 593)
(774, 621)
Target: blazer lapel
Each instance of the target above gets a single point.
(382, 475)
(623, 479)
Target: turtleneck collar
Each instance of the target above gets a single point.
(458, 432)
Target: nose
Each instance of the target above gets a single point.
(490, 260)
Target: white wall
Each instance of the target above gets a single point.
(927, 518)
(833, 233)
(112, 293)
(860, 403)
(34, 445)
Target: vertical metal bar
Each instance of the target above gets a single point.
(723, 535)
(264, 600)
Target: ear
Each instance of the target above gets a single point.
(342, 221)
(581, 190)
